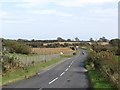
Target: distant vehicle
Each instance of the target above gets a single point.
(83, 53)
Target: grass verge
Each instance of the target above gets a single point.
(97, 80)
(29, 71)
(118, 59)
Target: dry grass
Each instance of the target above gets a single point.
(51, 50)
(62, 43)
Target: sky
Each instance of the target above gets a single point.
(49, 19)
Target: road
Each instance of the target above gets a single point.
(70, 73)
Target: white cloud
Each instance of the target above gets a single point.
(38, 1)
(65, 3)
(113, 12)
(50, 11)
(12, 21)
(77, 3)
(33, 3)
(64, 21)
(43, 11)
(63, 14)
(3, 14)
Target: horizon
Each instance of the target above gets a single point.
(73, 39)
(49, 19)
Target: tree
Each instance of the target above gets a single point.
(103, 39)
(77, 39)
(91, 40)
(68, 40)
(116, 44)
(60, 39)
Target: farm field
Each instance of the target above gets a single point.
(41, 55)
(51, 50)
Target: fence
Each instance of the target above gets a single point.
(27, 60)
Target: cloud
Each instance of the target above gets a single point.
(50, 11)
(64, 21)
(65, 3)
(33, 3)
(3, 14)
(113, 12)
(10, 0)
(77, 3)
(12, 21)
(39, 1)
(6, 18)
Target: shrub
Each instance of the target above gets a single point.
(107, 64)
(17, 47)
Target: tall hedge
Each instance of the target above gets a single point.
(107, 64)
(17, 47)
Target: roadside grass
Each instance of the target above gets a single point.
(118, 58)
(29, 70)
(96, 78)
(98, 81)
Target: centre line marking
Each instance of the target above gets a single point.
(62, 74)
(53, 80)
(40, 88)
(66, 69)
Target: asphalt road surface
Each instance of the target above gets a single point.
(70, 73)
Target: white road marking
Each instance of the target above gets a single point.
(62, 74)
(66, 69)
(40, 89)
(70, 64)
(53, 80)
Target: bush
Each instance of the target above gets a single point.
(105, 62)
(116, 44)
(17, 47)
(74, 53)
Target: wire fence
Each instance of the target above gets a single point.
(37, 58)
(26, 60)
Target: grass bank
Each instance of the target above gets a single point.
(29, 71)
(118, 58)
(97, 80)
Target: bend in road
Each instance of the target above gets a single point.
(68, 74)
